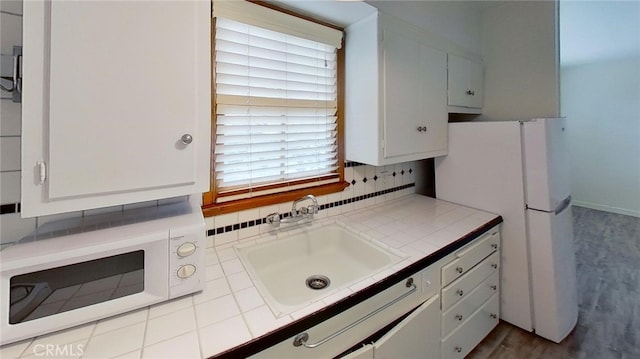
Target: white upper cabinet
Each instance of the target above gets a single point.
(465, 83)
(395, 101)
(116, 103)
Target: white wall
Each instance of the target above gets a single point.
(520, 51)
(456, 25)
(600, 96)
(602, 104)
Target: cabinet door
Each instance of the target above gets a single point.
(433, 98)
(414, 92)
(476, 85)
(366, 352)
(417, 336)
(465, 82)
(110, 88)
(457, 74)
(401, 93)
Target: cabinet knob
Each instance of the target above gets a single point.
(459, 317)
(422, 128)
(186, 139)
(409, 283)
(459, 269)
(458, 349)
(460, 292)
(493, 287)
(493, 316)
(494, 266)
(494, 245)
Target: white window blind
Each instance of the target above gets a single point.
(276, 104)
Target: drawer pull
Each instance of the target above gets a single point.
(459, 269)
(458, 349)
(493, 287)
(494, 245)
(494, 266)
(302, 338)
(493, 316)
(460, 292)
(459, 317)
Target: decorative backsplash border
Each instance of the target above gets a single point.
(259, 221)
(366, 183)
(10, 208)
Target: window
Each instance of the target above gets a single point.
(277, 108)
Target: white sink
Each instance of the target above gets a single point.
(282, 266)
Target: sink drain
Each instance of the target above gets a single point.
(317, 282)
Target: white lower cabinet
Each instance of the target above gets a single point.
(460, 343)
(460, 289)
(470, 295)
(366, 352)
(415, 337)
(341, 332)
(456, 315)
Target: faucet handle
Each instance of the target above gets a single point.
(274, 219)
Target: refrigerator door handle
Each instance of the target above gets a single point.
(562, 206)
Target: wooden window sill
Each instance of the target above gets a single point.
(216, 209)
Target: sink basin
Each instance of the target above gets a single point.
(282, 267)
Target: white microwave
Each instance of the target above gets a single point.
(80, 270)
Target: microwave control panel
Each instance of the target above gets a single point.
(186, 260)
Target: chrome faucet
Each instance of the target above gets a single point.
(308, 211)
(296, 214)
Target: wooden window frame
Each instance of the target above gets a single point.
(209, 205)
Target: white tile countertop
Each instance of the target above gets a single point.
(231, 311)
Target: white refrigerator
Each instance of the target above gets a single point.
(520, 170)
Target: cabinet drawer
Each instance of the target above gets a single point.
(459, 343)
(469, 256)
(461, 288)
(456, 315)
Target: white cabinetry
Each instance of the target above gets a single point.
(470, 295)
(116, 103)
(410, 339)
(341, 332)
(395, 101)
(465, 84)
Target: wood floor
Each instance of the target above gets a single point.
(608, 265)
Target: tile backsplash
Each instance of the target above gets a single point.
(10, 113)
(369, 185)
